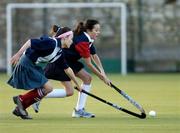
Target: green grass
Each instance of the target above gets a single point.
(159, 92)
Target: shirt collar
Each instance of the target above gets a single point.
(89, 38)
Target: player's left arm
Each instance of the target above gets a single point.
(95, 58)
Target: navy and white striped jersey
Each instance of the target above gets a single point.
(82, 47)
(45, 50)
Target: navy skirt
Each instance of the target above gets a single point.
(27, 75)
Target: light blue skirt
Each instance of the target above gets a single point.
(27, 75)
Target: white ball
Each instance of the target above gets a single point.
(152, 113)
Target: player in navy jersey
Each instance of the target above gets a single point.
(28, 73)
(82, 47)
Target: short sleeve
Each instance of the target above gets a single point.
(83, 49)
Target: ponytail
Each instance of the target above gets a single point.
(57, 30)
(84, 26)
(54, 30)
(79, 28)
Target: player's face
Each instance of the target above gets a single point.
(68, 40)
(95, 31)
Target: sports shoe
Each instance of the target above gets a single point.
(82, 113)
(17, 113)
(35, 106)
(19, 110)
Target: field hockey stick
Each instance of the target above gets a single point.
(132, 101)
(142, 116)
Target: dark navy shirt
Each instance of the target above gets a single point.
(46, 50)
(82, 47)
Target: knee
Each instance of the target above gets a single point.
(87, 79)
(48, 90)
(69, 92)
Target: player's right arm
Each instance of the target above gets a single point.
(63, 64)
(95, 70)
(17, 56)
(72, 76)
(84, 51)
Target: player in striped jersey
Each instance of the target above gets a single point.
(28, 73)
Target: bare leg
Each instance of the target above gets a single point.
(57, 93)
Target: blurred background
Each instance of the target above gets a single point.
(153, 31)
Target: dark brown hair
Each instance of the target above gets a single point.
(84, 26)
(57, 30)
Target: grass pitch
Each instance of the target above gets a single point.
(159, 92)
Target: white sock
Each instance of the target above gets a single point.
(82, 97)
(57, 93)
